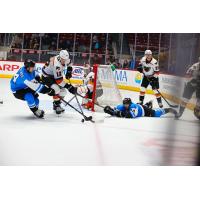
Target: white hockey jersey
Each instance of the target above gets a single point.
(194, 71)
(149, 68)
(55, 70)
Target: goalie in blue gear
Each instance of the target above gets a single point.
(133, 110)
(26, 85)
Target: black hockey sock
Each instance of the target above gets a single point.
(181, 110)
(57, 103)
(159, 100)
(141, 99)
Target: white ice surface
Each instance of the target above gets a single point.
(64, 140)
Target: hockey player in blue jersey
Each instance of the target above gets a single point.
(26, 85)
(132, 110)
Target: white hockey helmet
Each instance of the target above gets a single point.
(148, 52)
(64, 54)
(90, 76)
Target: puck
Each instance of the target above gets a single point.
(82, 120)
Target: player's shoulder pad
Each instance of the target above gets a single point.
(194, 66)
(154, 61)
(143, 59)
(21, 72)
(51, 61)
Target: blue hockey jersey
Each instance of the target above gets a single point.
(24, 79)
(135, 110)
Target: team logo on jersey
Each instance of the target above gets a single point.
(57, 68)
(138, 78)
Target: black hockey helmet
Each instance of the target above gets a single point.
(127, 101)
(29, 63)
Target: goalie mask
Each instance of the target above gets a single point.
(90, 76)
(197, 112)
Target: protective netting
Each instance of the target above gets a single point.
(106, 91)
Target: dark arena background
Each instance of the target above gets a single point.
(64, 140)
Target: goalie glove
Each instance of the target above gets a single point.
(68, 75)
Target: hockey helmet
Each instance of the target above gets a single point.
(127, 101)
(148, 52)
(64, 54)
(29, 63)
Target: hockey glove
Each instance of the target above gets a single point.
(140, 68)
(38, 79)
(47, 90)
(109, 110)
(68, 75)
(71, 88)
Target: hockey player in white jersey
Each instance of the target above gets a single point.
(149, 67)
(191, 87)
(53, 76)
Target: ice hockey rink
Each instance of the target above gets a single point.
(65, 140)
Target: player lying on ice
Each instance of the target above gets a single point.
(133, 110)
(26, 85)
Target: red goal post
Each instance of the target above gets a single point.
(105, 90)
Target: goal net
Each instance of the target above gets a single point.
(105, 91)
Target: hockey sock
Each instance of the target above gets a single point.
(141, 98)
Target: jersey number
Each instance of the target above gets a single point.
(15, 78)
(59, 73)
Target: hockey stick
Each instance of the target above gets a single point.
(80, 112)
(173, 106)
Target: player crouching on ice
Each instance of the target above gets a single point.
(86, 90)
(26, 85)
(132, 110)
